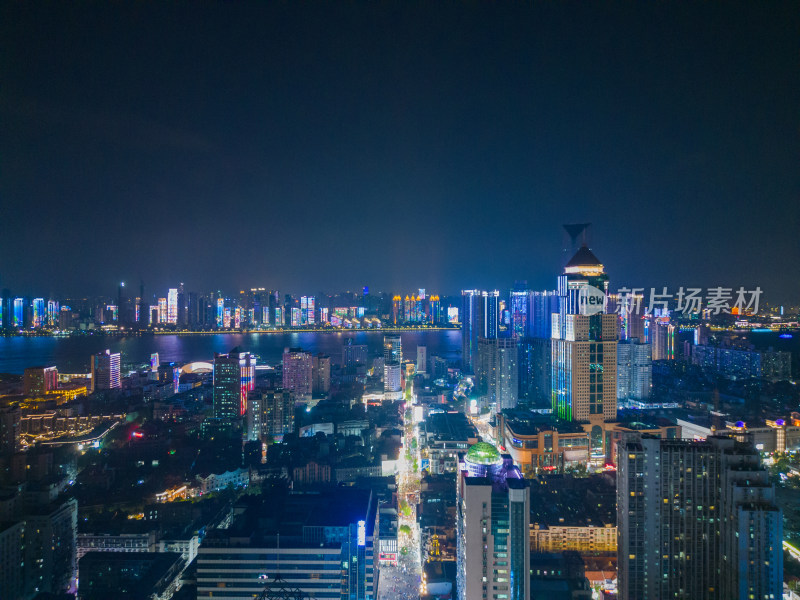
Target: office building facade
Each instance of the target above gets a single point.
(492, 525)
(298, 373)
(634, 370)
(696, 520)
(234, 378)
(106, 371)
(497, 372)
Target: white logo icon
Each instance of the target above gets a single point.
(592, 300)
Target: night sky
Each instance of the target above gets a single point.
(311, 147)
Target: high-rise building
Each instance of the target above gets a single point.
(182, 314)
(422, 359)
(492, 527)
(634, 370)
(39, 312)
(332, 536)
(520, 312)
(498, 378)
(354, 354)
(51, 535)
(220, 312)
(12, 559)
(18, 319)
(321, 374)
(696, 520)
(661, 335)
(393, 348)
(106, 371)
(37, 381)
(234, 378)
(10, 417)
(163, 312)
(489, 314)
(298, 373)
(392, 377)
(172, 306)
(584, 344)
(470, 329)
(436, 317)
(270, 413)
(53, 309)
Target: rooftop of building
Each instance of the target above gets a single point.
(568, 501)
(584, 258)
(280, 511)
(452, 426)
(529, 423)
(483, 454)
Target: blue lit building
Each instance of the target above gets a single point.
(470, 329)
(321, 544)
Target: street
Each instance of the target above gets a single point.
(404, 580)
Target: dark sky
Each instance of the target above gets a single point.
(312, 147)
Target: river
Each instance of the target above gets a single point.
(71, 354)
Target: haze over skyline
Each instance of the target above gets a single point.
(312, 148)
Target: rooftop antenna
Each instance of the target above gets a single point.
(278, 588)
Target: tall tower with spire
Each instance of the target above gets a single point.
(584, 350)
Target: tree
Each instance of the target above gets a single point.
(404, 529)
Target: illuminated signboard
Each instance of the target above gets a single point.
(362, 533)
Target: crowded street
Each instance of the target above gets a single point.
(404, 580)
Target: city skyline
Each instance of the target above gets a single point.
(431, 146)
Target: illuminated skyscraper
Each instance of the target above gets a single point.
(53, 310)
(220, 312)
(422, 359)
(497, 372)
(392, 380)
(397, 310)
(489, 314)
(436, 316)
(172, 306)
(298, 373)
(234, 378)
(39, 312)
(106, 371)
(163, 312)
(519, 313)
(311, 311)
(492, 523)
(393, 348)
(303, 310)
(661, 335)
(470, 329)
(37, 381)
(18, 319)
(634, 370)
(584, 349)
